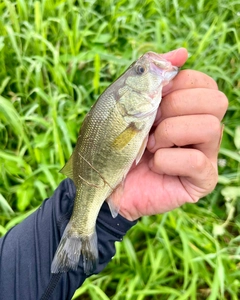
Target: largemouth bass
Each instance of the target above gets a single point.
(113, 136)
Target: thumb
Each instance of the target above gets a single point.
(177, 57)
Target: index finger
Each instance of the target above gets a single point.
(190, 79)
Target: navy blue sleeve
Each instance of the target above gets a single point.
(27, 250)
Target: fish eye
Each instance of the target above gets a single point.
(140, 69)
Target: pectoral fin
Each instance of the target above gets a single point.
(141, 150)
(67, 169)
(125, 137)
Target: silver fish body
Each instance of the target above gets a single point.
(113, 135)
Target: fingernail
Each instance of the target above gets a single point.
(151, 141)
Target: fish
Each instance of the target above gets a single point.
(112, 138)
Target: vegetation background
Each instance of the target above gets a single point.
(56, 58)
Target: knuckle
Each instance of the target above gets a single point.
(213, 185)
(208, 81)
(222, 102)
(214, 129)
(215, 126)
(212, 178)
(198, 161)
(194, 199)
(211, 83)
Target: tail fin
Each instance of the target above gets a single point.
(70, 248)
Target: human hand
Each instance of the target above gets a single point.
(180, 162)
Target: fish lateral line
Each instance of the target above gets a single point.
(89, 183)
(100, 175)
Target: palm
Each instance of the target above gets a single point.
(148, 193)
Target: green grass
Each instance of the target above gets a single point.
(56, 58)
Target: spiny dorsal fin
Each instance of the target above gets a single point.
(67, 169)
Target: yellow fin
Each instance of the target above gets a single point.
(125, 137)
(67, 169)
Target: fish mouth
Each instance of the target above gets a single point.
(164, 71)
(161, 66)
